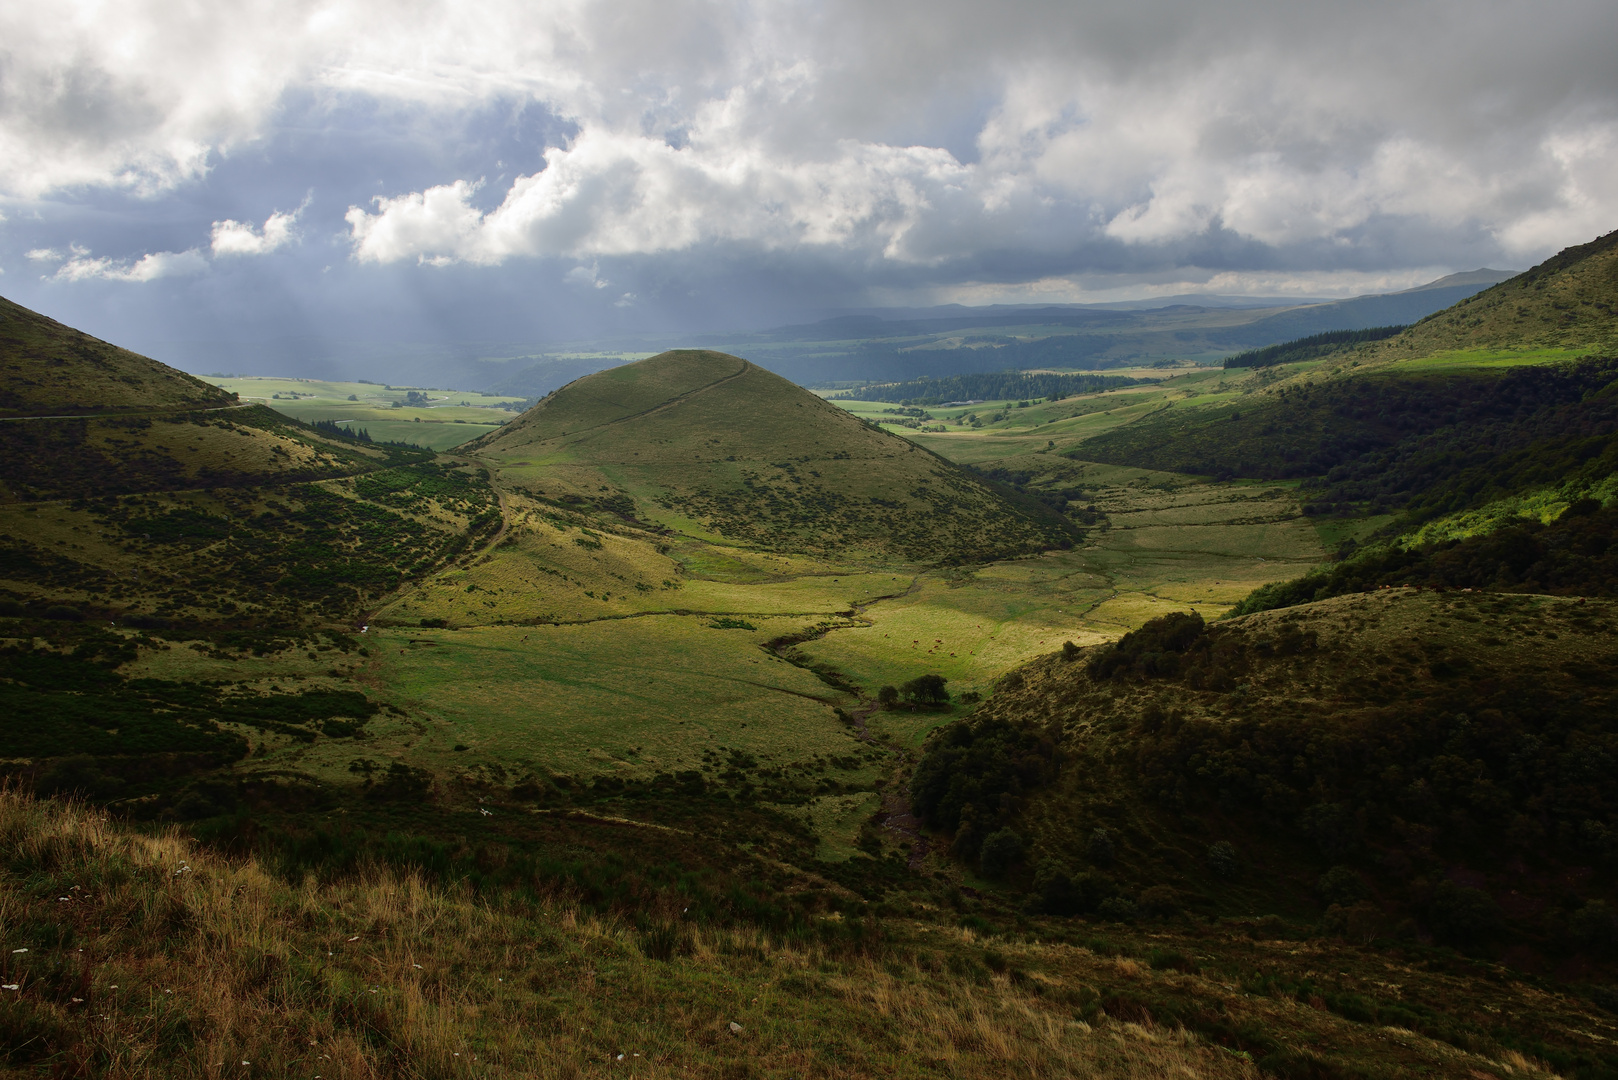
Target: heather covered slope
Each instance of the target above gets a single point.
(708, 444)
(50, 369)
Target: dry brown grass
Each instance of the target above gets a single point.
(169, 961)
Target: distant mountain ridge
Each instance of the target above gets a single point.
(899, 344)
(884, 344)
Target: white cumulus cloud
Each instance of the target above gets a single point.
(241, 238)
(83, 266)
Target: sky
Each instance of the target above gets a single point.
(255, 182)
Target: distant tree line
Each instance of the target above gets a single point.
(1312, 347)
(986, 386)
(336, 430)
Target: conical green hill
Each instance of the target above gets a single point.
(49, 369)
(709, 442)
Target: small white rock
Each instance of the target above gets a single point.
(735, 1028)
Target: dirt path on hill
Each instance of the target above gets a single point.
(127, 415)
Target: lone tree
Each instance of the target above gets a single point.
(926, 690)
(887, 697)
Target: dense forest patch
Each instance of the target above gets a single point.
(1389, 761)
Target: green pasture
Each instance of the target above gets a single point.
(449, 419)
(627, 697)
(1461, 359)
(1172, 544)
(432, 434)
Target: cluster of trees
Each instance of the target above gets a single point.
(1531, 427)
(971, 782)
(337, 431)
(1489, 770)
(1312, 347)
(922, 690)
(1576, 555)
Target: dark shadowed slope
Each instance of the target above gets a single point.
(50, 369)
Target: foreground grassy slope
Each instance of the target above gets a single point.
(47, 368)
(137, 955)
(708, 444)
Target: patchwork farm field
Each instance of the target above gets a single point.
(432, 419)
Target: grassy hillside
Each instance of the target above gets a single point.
(1568, 301)
(708, 439)
(1478, 418)
(50, 369)
(1431, 443)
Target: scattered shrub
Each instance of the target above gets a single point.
(1222, 859)
(1341, 885)
(1117, 909)
(1361, 923)
(1101, 849)
(1462, 915)
(999, 852)
(1594, 929)
(1170, 960)
(1160, 900)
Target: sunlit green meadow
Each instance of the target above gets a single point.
(448, 419)
(627, 697)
